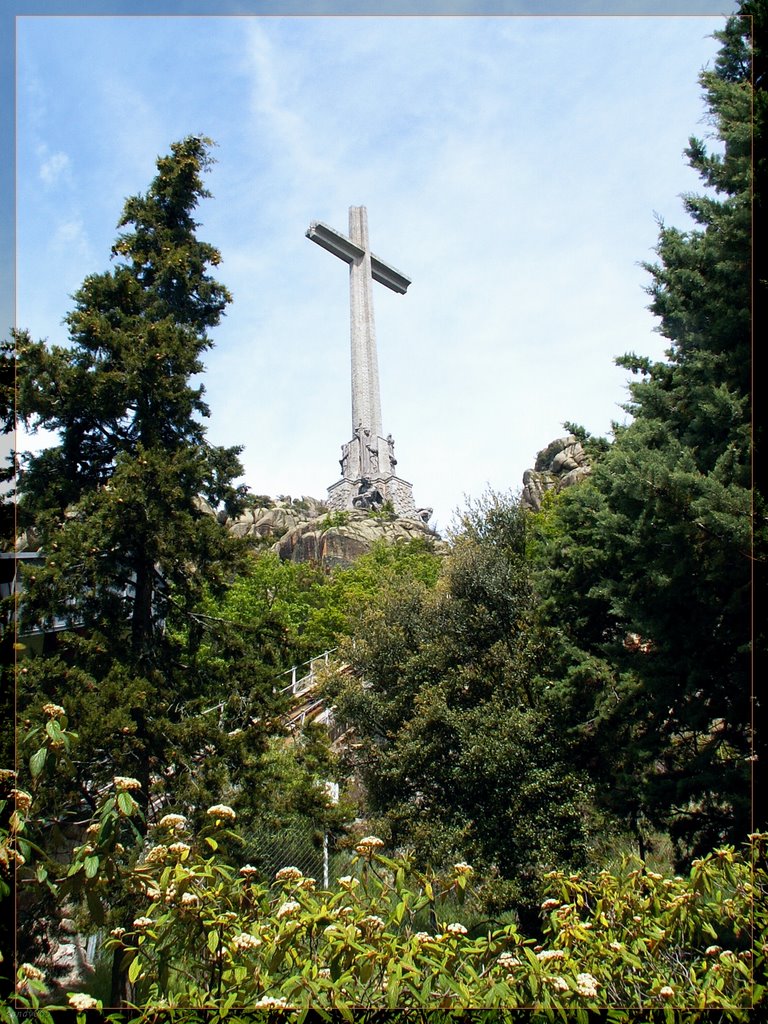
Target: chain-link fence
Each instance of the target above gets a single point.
(314, 852)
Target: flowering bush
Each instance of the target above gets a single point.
(211, 936)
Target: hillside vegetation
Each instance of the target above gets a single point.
(542, 749)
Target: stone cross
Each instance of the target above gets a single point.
(363, 267)
(368, 474)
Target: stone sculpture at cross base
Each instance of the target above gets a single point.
(368, 475)
(369, 479)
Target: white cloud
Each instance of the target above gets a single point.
(71, 237)
(55, 168)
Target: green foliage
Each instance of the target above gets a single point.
(594, 447)
(131, 551)
(332, 520)
(203, 934)
(647, 564)
(294, 611)
(386, 512)
(456, 741)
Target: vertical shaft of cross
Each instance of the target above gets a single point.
(366, 397)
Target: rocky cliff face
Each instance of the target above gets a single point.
(275, 519)
(341, 537)
(561, 464)
(304, 531)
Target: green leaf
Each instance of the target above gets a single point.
(212, 941)
(126, 803)
(135, 969)
(212, 842)
(53, 729)
(37, 762)
(91, 866)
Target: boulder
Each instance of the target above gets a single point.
(276, 519)
(341, 537)
(561, 464)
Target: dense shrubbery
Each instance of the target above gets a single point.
(205, 932)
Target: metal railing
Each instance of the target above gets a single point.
(299, 684)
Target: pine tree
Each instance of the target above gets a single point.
(651, 574)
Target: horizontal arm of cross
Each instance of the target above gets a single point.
(348, 251)
(334, 242)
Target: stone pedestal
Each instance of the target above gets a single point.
(369, 478)
(371, 493)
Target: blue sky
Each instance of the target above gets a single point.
(513, 167)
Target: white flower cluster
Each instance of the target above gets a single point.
(30, 971)
(508, 960)
(81, 1001)
(270, 1003)
(124, 782)
(369, 845)
(550, 954)
(455, 929)
(288, 874)
(558, 983)
(221, 812)
(372, 923)
(288, 908)
(21, 798)
(175, 822)
(463, 868)
(586, 985)
(244, 940)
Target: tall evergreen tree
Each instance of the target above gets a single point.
(651, 577)
(122, 509)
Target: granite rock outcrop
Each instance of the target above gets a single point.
(341, 537)
(561, 464)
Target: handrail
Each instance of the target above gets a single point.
(295, 683)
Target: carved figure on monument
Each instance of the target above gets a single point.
(344, 460)
(373, 460)
(425, 514)
(368, 496)
(392, 459)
